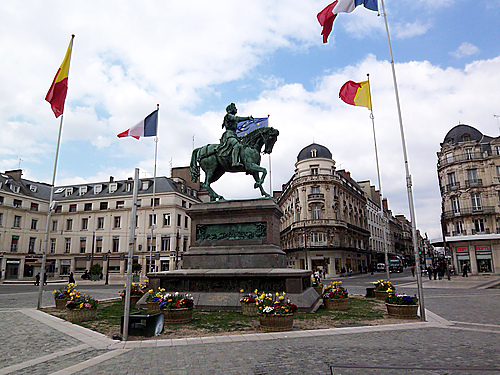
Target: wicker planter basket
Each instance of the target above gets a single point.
(153, 307)
(276, 323)
(81, 315)
(60, 303)
(176, 316)
(336, 304)
(249, 309)
(380, 295)
(402, 311)
(318, 289)
(133, 300)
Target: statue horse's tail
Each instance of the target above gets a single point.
(194, 169)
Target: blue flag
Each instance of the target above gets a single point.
(245, 127)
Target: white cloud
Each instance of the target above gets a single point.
(465, 50)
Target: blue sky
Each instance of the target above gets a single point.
(194, 58)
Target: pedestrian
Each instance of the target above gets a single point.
(324, 273)
(435, 272)
(465, 268)
(37, 279)
(71, 278)
(413, 271)
(342, 272)
(45, 278)
(429, 272)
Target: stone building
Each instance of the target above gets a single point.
(469, 179)
(324, 225)
(90, 224)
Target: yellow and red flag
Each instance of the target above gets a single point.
(356, 93)
(59, 88)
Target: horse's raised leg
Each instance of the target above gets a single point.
(213, 195)
(255, 169)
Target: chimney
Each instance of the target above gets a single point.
(111, 179)
(385, 203)
(15, 174)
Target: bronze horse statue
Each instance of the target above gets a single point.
(215, 166)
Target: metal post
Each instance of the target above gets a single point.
(177, 250)
(107, 267)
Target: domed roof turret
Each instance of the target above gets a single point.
(462, 133)
(312, 151)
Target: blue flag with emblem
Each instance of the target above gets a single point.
(245, 127)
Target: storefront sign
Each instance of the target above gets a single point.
(483, 249)
(65, 262)
(462, 249)
(13, 262)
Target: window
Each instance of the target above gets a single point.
(103, 206)
(314, 153)
(452, 179)
(455, 207)
(316, 212)
(128, 186)
(97, 189)
(100, 223)
(459, 227)
(152, 220)
(31, 246)
(83, 245)
(472, 174)
(67, 245)
(476, 202)
(34, 224)
(315, 190)
(34, 207)
(17, 222)
(13, 244)
(166, 217)
(58, 209)
(116, 245)
(1, 200)
(54, 225)
(17, 203)
(465, 137)
(318, 239)
(85, 223)
(120, 204)
(145, 185)
(69, 224)
(179, 218)
(1, 218)
(82, 190)
(113, 187)
(449, 157)
(117, 221)
(15, 188)
(87, 207)
(185, 244)
(479, 225)
(149, 244)
(184, 203)
(186, 222)
(157, 202)
(496, 150)
(33, 188)
(52, 245)
(314, 171)
(98, 245)
(68, 192)
(468, 153)
(72, 208)
(139, 202)
(165, 244)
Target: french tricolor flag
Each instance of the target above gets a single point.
(145, 128)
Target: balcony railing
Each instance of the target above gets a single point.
(316, 197)
(473, 183)
(484, 231)
(453, 186)
(459, 158)
(462, 233)
(469, 211)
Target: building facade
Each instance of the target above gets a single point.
(469, 179)
(90, 224)
(324, 225)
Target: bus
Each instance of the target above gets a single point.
(395, 265)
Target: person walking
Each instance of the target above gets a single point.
(465, 268)
(37, 279)
(429, 272)
(413, 271)
(71, 278)
(45, 278)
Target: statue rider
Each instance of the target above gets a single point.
(229, 142)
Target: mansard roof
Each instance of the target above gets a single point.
(308, 152)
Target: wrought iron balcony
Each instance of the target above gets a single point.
(473, 183)
(469, 211)
(453, 186)
(316, 197)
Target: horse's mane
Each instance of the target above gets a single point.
(251, 138)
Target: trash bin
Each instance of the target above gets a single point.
(146, 325)
(370, 292)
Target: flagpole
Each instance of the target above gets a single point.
(381, 213)
(408, 177)
(153, 221)
(270, 168)
(128, 285)
(49, 214)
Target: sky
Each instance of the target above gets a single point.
(194, 58)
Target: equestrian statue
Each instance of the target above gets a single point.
(233, 154)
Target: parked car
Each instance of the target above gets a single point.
(380, 267)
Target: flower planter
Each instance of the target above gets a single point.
(380, 295)
(318, 289)
(81, 315)
(175, 316)
(336, 304)
(153, 307)
(133, 300)
(60, 303)
(249, 309)
(402, 311)
(276, 323)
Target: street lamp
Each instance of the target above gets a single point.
(177, 250)
(107, 267)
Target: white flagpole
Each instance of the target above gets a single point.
(408, 178)
(128, 287)
(49, 214)
(153, 222)
(270, 168)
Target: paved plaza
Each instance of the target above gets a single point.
(461, 336)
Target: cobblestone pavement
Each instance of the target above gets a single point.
(461, 336)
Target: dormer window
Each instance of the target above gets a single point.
(15, 188)
(128, 186)
(465, 137)
(97, 188)
(68, 192)
(33, 188)
(82, 190)
(314, 153)
(145, 185)
(113, 187)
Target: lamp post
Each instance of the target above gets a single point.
(107, 267)
(177, 250)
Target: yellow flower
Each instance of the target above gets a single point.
(241, 290)
(150, 291)
(255, 291)
(277, 294)
(81, 305)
